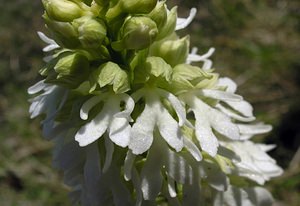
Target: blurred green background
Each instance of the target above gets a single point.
(257, 44)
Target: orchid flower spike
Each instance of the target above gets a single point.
(134, 120)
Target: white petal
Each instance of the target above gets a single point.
(182, 22)
(234, 115)
(207, 64)
(141, 136)
(269, 167)
(177, 167)
(193, 57)
(171, 187)
(242, 107)
(259, 196)
(178, 107)
(217, 120)
(50, 47)
(254, 128)
(119, 131)
(192, 148)
(39, 86)
(92, 170)
(220, 95)
(151, 178)
(129, 106)
(208, 141)
(109, 148)
(94, 129)
(45, 39)
(88, 105)
(222, 124)
(231, 85)
(266, 148)
(128, 164)
(37, 107)
(168, 128)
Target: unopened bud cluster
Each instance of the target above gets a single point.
(93, 33)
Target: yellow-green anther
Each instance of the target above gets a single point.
(169, 26)
(137, 6)
(138, 33)
(62, 10)
(92, 31)
(172, 51)
(159, 14)
(71, 63)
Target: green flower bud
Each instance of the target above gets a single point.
(137, 6)
(159, 14)
(111, 74)
(187, 77)
(91, 31)
(70, 63)
(138, 33)
(64, 32)
(72, 69)
(172, 51)
(62, 10)
(169, 26)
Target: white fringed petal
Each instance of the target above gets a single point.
(39, 86)
(255, 164)
(52, 44)
(88, 105)
(169, 128)
(254, 128)
(192, 148)
(184, 22)
(194, 57)
(119, 131)
(94, 129)
(234, 115)
(228, 83)
(177, 105)
(141, 136)
(220, 95)
(128, 165)
(109, 148)
(242, 107)
(220, 122)
(208, 141)
(129, 106)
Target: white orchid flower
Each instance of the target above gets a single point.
(111, 118)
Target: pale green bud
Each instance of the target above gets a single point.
(172, 51)
(169, 26)
(137, 6)
(153, 66)
(64, 32)
(68, 70)
(62, 10)
(187, 77)
(159, 14)
(91, 31)
(138, 33)
(111, 74)
(71, 63)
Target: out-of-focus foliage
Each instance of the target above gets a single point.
(257, 44)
